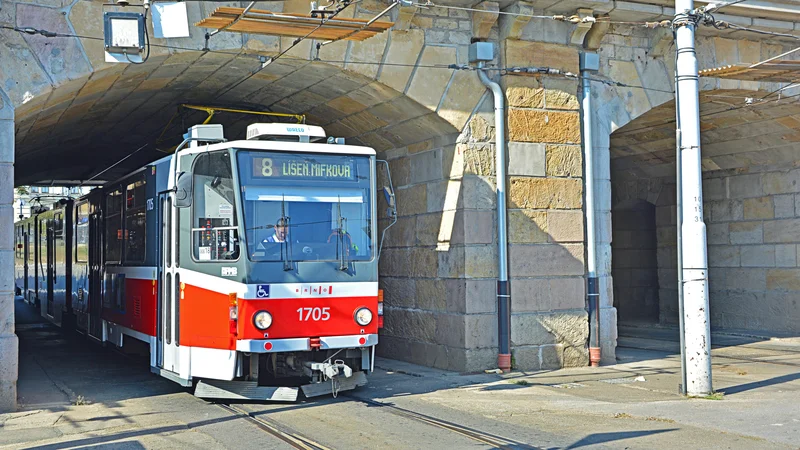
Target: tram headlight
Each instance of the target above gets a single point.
(363, 316)
(262, 320)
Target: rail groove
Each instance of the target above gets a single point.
(494, 441)
(291, 438)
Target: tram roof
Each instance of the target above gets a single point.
(281, 146)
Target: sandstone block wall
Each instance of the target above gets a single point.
(439, 265)
(753, 227)
(549, 323)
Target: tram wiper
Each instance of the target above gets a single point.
(341, 222)
(286, 245)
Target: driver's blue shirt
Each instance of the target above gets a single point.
(272, 239)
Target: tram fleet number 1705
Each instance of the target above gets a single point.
(248, 268)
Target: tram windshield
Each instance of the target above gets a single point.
(306, 207)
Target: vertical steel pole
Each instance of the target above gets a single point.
(697, 329)
(679, 209)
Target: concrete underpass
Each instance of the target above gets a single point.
(68, 117)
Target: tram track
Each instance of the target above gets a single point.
(298, 441)
(290, 437)
(494, 441)
(760, 360)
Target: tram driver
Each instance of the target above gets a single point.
(278, 236)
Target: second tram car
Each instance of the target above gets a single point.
(249, 268)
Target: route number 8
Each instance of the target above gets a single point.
(266, 167)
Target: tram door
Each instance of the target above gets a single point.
(51, 265)
(26, 254)
(95, 276)
(168, 356)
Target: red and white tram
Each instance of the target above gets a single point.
(247, 267)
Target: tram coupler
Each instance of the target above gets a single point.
(320, 371)
(331, 378)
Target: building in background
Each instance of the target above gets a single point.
(27, 196)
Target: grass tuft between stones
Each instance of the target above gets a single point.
(714, 396)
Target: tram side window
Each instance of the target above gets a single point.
(58, 227)
(82, 233)
(43, 224)
(135, 221)
(30, 244)
(214, 235)
(113, 225)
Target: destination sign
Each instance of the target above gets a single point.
(298, 168)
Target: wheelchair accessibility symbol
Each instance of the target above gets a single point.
(262, 291)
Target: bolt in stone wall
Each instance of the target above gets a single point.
(549, 323)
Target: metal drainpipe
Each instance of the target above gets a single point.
(588, 63)
(503, 293)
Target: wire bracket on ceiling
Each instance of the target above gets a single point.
(211, 34)
(213, 110)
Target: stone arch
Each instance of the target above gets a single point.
(745, 140)
(645, 60)
(382, 92)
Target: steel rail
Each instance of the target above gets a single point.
(293, 439)
(484, 438)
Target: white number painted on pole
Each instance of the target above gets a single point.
(314, 314)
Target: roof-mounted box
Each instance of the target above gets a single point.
(285, 132)
(204, 133)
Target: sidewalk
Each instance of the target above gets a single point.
(75, 395)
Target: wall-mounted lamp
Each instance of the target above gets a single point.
(124, 36)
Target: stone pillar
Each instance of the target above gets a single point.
(549, 322)
(8, 340)
(602, 173)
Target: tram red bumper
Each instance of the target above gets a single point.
(304, 344)
(307, 317)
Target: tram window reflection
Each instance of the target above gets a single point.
(306, 207)
(214, 234)
(113, 226)
(82, 232)
(135, 221)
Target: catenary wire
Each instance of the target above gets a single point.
(712, 7)
(297, 41)
(508, 71)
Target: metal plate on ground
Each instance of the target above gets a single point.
(244, 390)
(326, 387)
